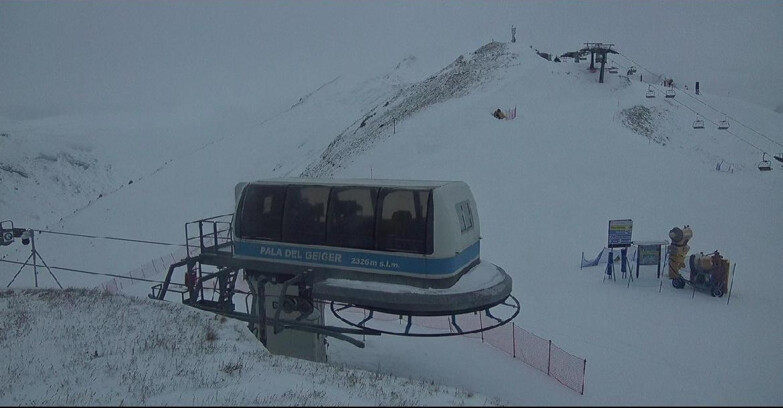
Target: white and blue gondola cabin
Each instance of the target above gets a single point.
(419, 233)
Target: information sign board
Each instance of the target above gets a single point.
(620, 233)
(649, 254)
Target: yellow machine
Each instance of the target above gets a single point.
(678, 249)
(709, 272)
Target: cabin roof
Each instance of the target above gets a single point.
(356, 182)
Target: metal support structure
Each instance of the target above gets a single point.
(281, 300)
(601, 50)
(35, 255)
(510, 308)
(287, 312)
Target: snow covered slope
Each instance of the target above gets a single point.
(546, 185)
(118, 350)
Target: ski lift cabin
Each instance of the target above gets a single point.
(357, 235)
(698, 123)
(764, 164)
(650, 92)
(401, 247)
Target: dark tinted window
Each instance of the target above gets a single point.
(351, 218)
(262, 212)
(403, 220)
(304, 221)
(465, 216)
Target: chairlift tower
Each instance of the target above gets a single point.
(601, 50)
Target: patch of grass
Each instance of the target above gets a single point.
(230, 368)
(644, 121)
(211, 335)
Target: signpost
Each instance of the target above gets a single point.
(620, 233)
(649, 253)
(619, 237)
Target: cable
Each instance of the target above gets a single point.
(715, 109)
(91, 273)
(733, 119)
(691, 109)
(711, 121)
(111, 238)
(114, 275)
(727, 131)
(753, 130)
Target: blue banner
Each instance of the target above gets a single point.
(355, 259)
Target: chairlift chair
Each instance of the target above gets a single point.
(724, 124)
(613, 70)
(650, 92)
(764, 164)
(670, 93)
(698, 123)
(779, 157)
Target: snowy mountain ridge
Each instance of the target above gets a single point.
(453, 81)
(545, 183)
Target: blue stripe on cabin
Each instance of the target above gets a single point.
(356, 259)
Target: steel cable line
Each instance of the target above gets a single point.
(704, 103)
(713, 108)
(110, 238)
(111, 275)
(734, 119)
(90, 272)
(726, 130)
(711, 121)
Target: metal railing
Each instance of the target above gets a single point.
(211, 234)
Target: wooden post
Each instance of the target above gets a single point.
(637, 261)
(584, 370)
(733, 267)
(481, 325)
(549, 359)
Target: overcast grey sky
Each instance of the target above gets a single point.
(84, 56)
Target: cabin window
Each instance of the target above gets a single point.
(403, 220)
(262, 212)
(465, 216)
(351, 217)
(304, 221)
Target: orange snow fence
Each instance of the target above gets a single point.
(511, 339)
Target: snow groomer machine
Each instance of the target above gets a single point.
(708, 272)
(360, 248)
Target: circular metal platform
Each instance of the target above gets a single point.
(428, 326)
(483, 286)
